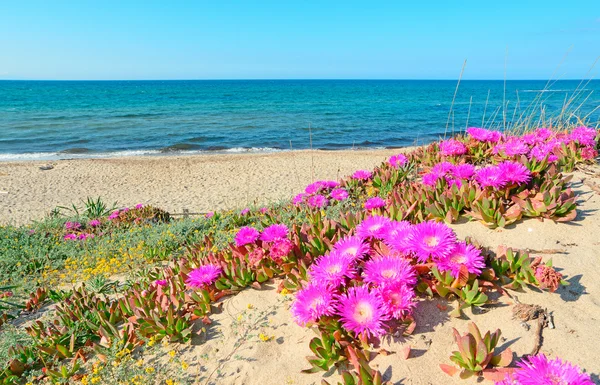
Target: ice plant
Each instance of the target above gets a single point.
(398, 299)
(388, 271)
(514, 172)
(397, 236)
(513, 146)
(548, 278)
(362, 312)
(280, 248)
(452, 147)
(70, 237)
(94, 223)
(431, 240)
(203, 276)
(273, 232)
(352, 247)
(339, 194)
(373, 227)
(72, 225)
(298, 199)
(463, 254)
(483, 135)
(311, 303)
(244, 211)
(317, 201)
(331, 269)
(246, 235)
(491, 176)
(539, 370)
(463, 171)
(399, 160)
(585, 136)
(362, 175)
(374, 203)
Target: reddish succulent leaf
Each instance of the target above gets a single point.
(449, 369)
(405, 352)
(497, 374)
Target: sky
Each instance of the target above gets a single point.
(223, 39)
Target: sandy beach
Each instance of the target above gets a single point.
(199, 183)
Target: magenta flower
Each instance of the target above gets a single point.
(139, 206)
(352, 247)
(430, 179)
(203, 276)
(442, 168)
(491, 176)
(298, 199)
(431, 240)
(397, 236)
(280, 248)
(72, 225)
(462, 254)
(339, 194)
(374, 203)
(514, 172)
(244, 211)
(541, 151)
(160, 282)
(317, 201)
(312, 303)
(399, 160)
(539, 370)
(331, 269)
(263, 210)
(388, 271)
(452, 147)
(113, 215)
(585, 136)
(209, 214)
(398, 299)
(373, 227)
(70, 237)
(246, 235)
(94, 223)
(483, 135)
(84, 236)
(274, 232)
(362, 175)
(362, 311)
(463, 171)
(512, 147)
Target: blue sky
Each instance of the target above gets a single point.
(292, 39)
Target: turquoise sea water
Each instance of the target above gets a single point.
(62, 119)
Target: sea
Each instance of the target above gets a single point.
(46, 120)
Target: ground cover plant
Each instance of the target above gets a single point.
(355, 253)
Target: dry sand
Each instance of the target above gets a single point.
(200, 183)
(232, 353)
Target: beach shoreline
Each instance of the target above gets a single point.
(198, 183)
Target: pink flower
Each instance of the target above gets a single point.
(209, 214)
(442, 168)
(584, 136)
(541, 151)
(398, 299)
(139, 206)
(352, 247)
(399, 160)
(298, 199)
(373, 227)
(160, 282)
(279, 249)
(539, 370)
(312, 303)
(463, 171)
(274, 232)
(484, 135)
(374, 203)
(317, 201)
(512, 147)
(362, 175)
(462, 254)
(491, 176)
(588, 153)
(362, 311)
(452, 147)
(203, 276)
(514, 172)
(246, 235)
(113, 215)
(431, 240)
(70, 237)
(388, 271)
(431, 179)
(94, 223)
(244, 211)
(314, 187)
(256, 256)
(331, 269)
(339, 194)
(397, 236)
(84, 236)
(263, 210)
(72, 225)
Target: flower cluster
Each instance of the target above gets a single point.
(320, 194)
(540, 370)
